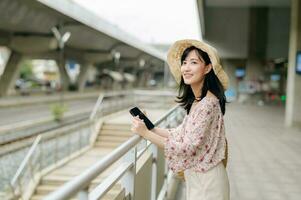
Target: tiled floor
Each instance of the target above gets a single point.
(264, 156)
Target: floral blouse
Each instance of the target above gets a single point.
(199, 142)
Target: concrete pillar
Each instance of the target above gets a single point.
(143, 77)
(293, 91)
(146, 77)
(64, 77)
(82, 77)
(258, 25)
(11, 72)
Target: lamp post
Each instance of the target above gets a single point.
(61, 38)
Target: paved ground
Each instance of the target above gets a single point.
(264, 162)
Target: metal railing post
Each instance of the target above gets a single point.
(154, 150)
(83, 194)
(128, 181)
(41, 159)
(55, 149)
(80, 138)
(31, 169)
(69, 145)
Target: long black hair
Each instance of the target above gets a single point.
(211, 83)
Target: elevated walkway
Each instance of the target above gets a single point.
(114, 131)
(264, 158)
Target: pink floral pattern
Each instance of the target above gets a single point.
(199, 142)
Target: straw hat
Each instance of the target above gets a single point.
(177, 49)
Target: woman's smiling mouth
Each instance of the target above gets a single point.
(186, 76)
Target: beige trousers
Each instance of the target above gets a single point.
(211, 185)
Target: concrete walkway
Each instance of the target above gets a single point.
(264, 156)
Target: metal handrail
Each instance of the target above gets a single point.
(83, 180)
(101, 98)
(25, 161)
(95, 108)
(107, 184)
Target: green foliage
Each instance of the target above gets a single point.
(26, 69)
(58, 111)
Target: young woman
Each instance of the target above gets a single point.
(198, 145)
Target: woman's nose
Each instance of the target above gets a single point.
(185, 68)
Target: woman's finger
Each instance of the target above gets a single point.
(137, 119)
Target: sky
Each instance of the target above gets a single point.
(151, 21)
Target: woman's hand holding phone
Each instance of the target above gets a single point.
(138, 126)
(137, 112)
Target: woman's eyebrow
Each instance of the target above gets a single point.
(194, 59)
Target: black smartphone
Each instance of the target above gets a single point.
(136, 111)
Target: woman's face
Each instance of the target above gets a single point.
(194, 69)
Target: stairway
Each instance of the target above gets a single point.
(110, 136)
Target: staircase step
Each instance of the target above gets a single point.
(111, 136)
(46, 189)
(40, 197)
(37, 197)
(115, 135)
(106, 138)
(55, 180)
(117, 186)
(43, 190)
(115, 126)
(115, 195)
(107, 144)
(116, 132)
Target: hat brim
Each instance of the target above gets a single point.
(176, 51)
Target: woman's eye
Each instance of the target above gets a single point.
(194, 63)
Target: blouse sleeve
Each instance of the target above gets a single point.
(175, 132)
(194, 142)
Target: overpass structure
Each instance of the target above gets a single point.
(33, 29)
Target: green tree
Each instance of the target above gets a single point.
(26, 69)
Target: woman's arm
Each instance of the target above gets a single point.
(161, 132)
(138, 127)
(154, 138)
